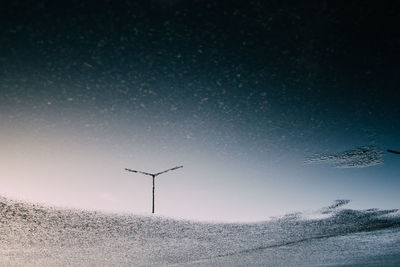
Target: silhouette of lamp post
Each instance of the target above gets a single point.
(154, 176)
(393, 151)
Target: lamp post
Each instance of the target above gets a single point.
(393, 151)
(154, 176)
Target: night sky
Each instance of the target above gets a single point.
(240, 93)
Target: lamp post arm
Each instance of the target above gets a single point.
(146, 173)
(172, 169)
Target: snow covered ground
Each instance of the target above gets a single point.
(34, 235)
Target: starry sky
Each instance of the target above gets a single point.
(238, 92)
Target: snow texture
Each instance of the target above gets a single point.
(33, 235)
(361, 157)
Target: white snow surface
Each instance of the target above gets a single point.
(34, 235)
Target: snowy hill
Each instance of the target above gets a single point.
(33, 235)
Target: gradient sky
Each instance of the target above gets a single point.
(239, 92)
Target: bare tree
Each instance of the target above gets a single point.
(154, 176)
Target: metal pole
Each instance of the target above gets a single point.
(393, 151)
(154, 176)
(153, 192)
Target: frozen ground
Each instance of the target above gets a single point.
(32, 235)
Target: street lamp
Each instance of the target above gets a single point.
(393, 151)
(154, 176)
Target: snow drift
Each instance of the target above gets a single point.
(44, 236)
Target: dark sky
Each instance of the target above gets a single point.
(217, 85)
